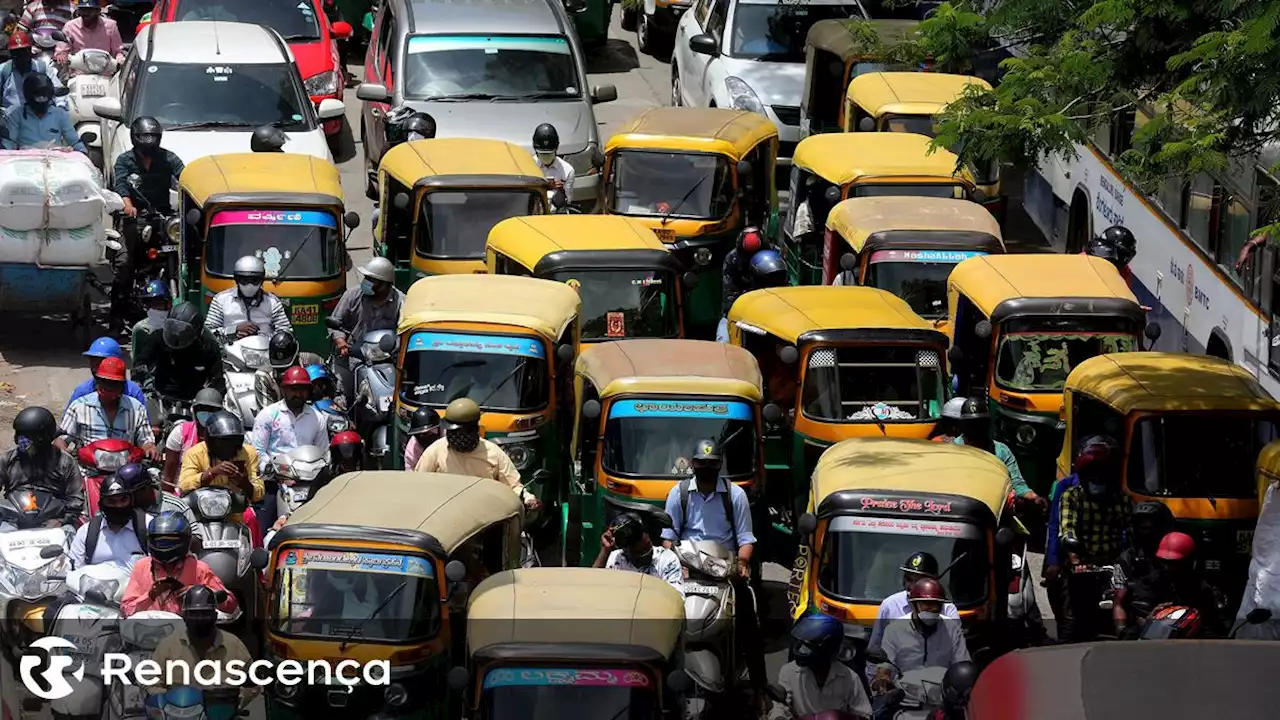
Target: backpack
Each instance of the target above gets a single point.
(728, 509)
(95, 529)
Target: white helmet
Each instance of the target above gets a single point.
(952, 410)
(250, 266)
(379, 268)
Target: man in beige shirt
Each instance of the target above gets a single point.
(203, 641)
(463, 452)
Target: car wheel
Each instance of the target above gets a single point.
(644, 33)
(629, 17)
(676, 101)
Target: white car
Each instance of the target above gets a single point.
(210, 84)
(749, 55)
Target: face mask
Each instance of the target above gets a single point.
(117, 515)
(201, 625)
(25, 445)
(366, 288)
(929, 618)
(21, 61)
(249, 289)
(1096, 489)
(706, 475)
(546, 158)
(813, 661)
(463, 439)
(38, 105)
(155, 319)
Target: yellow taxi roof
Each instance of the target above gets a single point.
(266, 174)
(529, 238)
(544, 306)
(670, 367)
(558, 606)
(912, 465)
(732, 133)
(789, 312)
(843, 158)
(1157, 381)
(856, 218)
(991, 279)
(908, 93)
(413, 161)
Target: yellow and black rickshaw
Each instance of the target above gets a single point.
(836, 51)
(1020, 324)
(697, 177)
(375, 567)
(439, 198)
(1192, 429)
(286, 210)
(642, 406)
(629, 281)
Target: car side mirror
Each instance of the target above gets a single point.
(866, 124)
(351, 220)
(400, 201)
(330, 109)
(371, 92)
(259, 559)
(454, 571)
(704, 44)
(982, 329)
(807, 523)
(388, 344)
(591, 409)
(108, 108)
(690, 279)
(848, 262)
(771, 413)
(832, 195)
(341, 30)
(1258, 616)
(604, 94)
(565, 353)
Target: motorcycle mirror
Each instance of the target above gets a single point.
(789, 355)
(48, 552)
(777, 692)
(61, 92)
(558, 200)
(866, 124)
(832, 195)
(955, 356)
(744, 173)
(193, 217)
(454, 571)
(96, 597)
(458, 678)
(876, 655)
(88, 137)
(565, 353)
(679, 681)
(1152, 331)
(807, 523)
(591, 409)
(848, 261)
(690, 279)
(387, 344)
(333, 323)
(772, 414)
(1258, 616)
(400, 201)
(135, 181)
(258, 559)
(351, 220)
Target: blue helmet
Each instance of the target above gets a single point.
(315, 371)
(133, 476)
(817, 637)
(769, 269)
(155, 289)
(169, 537)
(104, 347)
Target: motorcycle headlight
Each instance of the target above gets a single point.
(96, 63)
(715, 567)
(1026, 434)
(173, 229)
(521, 455)
(37, 584)
(256, 359)
(373, 353)
(110, 461)
(214, 505)
(325, 83)
(147, 634)
(108, 588)
(741, 96)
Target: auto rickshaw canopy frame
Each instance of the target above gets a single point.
(920, 222)
(1168, 382)
(908, 93)
(816, 313)
(461, 163)
(670, 367)
(844, 158)
(544, 306)
(717, 131)
(1005, 286)
(547, 243)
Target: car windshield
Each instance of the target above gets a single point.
(487, 67)
(862, 557)
(678, 185)
(586, 694)
(293, 244)
(455, 224)
(1041, 361)
(294, 21)
(624, 303)
(1167, 457)
(776, 32)
(938, 190)
(880, 384)
(369, 597)
(500, 372)
(656, 438)
(217, 97)
(917, 276)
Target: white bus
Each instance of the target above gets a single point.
(1189, 235)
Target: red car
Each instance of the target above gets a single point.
(304, 25)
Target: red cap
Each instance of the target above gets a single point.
(926, 589)
(1176, 546)
(19, 39)
(296, 375)
(111, 368)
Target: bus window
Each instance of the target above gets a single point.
(1233, 233)
(1199, 209)
(1170, 199)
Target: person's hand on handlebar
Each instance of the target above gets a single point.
(129, 209)
(342, 346)
(245, 329)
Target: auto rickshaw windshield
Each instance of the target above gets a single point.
(657, 438)
(917, 276)
(456, 223)
(873, 384)
(1037, 354)
(1167, 456)
(501, 372)
(583, 694)
(293, 244)
(624, 303)
(939, 190)
(681, 185)
(861, 561)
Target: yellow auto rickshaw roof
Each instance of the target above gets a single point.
(449, 508)
(732, 133)
(671, 367)
(411, 162)
(840, 38)
(857, 218)
(989, 280)
(908, 93)
(280, 174)
(1157, 381)
(529, 239)
(921, 466)
(544, 306)
(575, 605)
(842, 158)
(789, 312)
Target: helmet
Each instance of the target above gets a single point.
(927, 589)
(114, 487)
(1173, 621)
(182, 327)
(104, 347)
(145, 133)
(1099, 248)
(225, 425)
(346, 445)
(545, 138)
(133, 476)
(378, 268)
(422, 420)
(707, 449)
(951, 410)
(420, 123)
(921, 563)
(88, 5)
(316, 371)
(958, 682)
(111, 368)
(37, 424)
(463, 411)
(295, 375)
(19, 39)
(249, 269)
(268, 138)
(1096, 452)
(169, 537)
(37, 89)
(750, 240)
(1176, 546)
(768, 268)
(199, 598)
(1156, 512)
(973, 409)
(207, 397)
(282, 350)
(155, 289)
(817, 634)
(1121, 241)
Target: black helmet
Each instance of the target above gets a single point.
(922, 564)
(545, 138)
(36, 424)
(283, 350)
(958, 682)
(1126, 246)
(182, 326)
(268, 138)
(422, 420)
(112, 487)
(169, 537)
(200, 598)
(37, 89)
(420, 123)
(145, 133)
(225, 424)
(973, 409)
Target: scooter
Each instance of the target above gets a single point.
(297, 472)
(241, 360)
(139, 635)
(373, 370)
(192, 702)
(90, 69)
(91, 623)
(709, 598)
(100, 458)
(33, 564)
(224, 546)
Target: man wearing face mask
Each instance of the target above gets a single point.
(186, 360)
(204, 642)
(118, 533)
(975, 431)
(283, 426)
(99, 350)
(223, 460)
(247, 309)
(146, 335)
(920, 565)
(1173, 580)
(814, 681)
(921, 639)
(39, 123)
(159, 580)
(21, 64)
(424, 429)
(557, 170)
(35, 462)
(108, 413)
(374, 305)
(626, 545)
(90, 30)
(463, 452)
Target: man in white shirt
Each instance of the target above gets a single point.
(557, 170)
(919, 565)
(921, 639)
(247, 309)
(626, 545)
(815, 681)
(290, 423)
(118, 533)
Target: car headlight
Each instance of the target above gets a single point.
(741, 96)
(521, 455)
(110, 461)
(702, 256)
(96, 63)
(1025, 434)
(214, 505)
(583, 163)
(325, 83)
(395, 695)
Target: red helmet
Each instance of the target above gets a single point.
(1097, 452)
(1179, 621)
(1176, 546)
(750, 240)
(19, 39)
(111, 368)
(296, 375)
(928, 589)
(346, 445)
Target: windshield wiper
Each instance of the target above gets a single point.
(519, 366)
(206, 124)
(677, 206)
(460, 96)
(296, 253)
(296, 38)
(533, 96)
(372, 615)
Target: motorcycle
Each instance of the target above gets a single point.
(916, 695)
(90, 69)
(192, 702)
(241, 360)
(373, 370)
(91, 623)
(139, 635)
(33, 564)
(709, 598)
(335, 420)
(1025, 622)
(100, 458)
(1107, 578)
(297, 472)
(156, 255)
(224, 546)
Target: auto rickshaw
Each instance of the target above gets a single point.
(439, 198)
(697, 177)
(838, 362)
(1192, 428)
(876, 501)
(285, 209)
(572, 642)
(642, 405)
(835, 166)
(374, 567)
(907, 246)
(629, 282)
(1019, 325)
(835, 53)
(506, 342)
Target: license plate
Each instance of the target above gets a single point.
(666, 235)
(305, 314)
(220, 544)
(83, 645)
(700, 589)
(168, 248)
(93, 89)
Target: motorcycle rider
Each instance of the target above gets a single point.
(38, 123)
(186, 360)
(424, 429)
(21, 63)
(282, 426)
(957, 685)
(105, 347)
(157, 170)
(1150, 522)
(1117, 245)
(90, 30)
(463, 452)
(35, 462)
(767, 270)
(918, 566)
(223, 460)
(814, 681)
(557, 170)
(947, 428)
(108, 413)
(159, 579)
(247, 309)
(282, 351)
(975, 431)
(736, 274)
(187, 434)
(1172, 580)
(118, 533)
(921, 639)
(346, 453)
(374, 305)
(626, 545)
(146, 334)
(204, 642)
(45, 15)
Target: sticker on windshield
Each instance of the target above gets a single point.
(652, 279)
(517, 677)
(681, 408)
(274, 217)
(152, 68)
(368, 562)
(615, 324)
(950, 257)
(482, 344)
(273, 259)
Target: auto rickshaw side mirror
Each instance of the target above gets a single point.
(193, 217)
(744, 173)
(591, 409)
(866, 124)
(351, 220)
(458, 678)
(400, 201)
(259, 559)
(454, 571)
(678, 681)
(565, 353)
(982, 329)
(789, 355)
(807, 523)
(772, 414)
(832, 195)
(1152, 331)
(388, 344)
(690, 279)
(1005, 538)
(848, 262)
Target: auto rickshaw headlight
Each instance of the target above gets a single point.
(395, 695)
(702, 256)
(521, 456)
(173, 229)
(1025, 434)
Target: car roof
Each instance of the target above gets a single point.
(477, 17)
(212, 41)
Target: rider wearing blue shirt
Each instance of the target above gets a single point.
(105, 347)
(39, 123)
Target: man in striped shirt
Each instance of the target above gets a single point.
(46, 15)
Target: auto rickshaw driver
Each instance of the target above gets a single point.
(975, 431)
